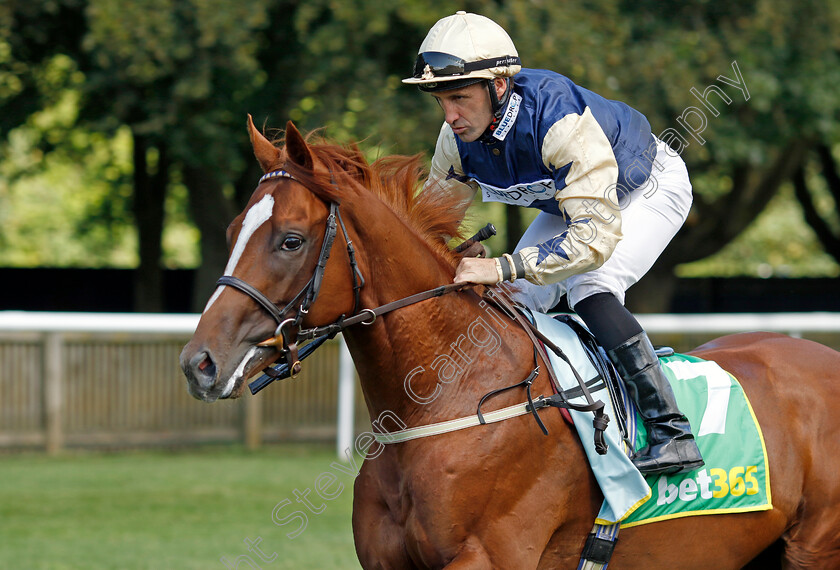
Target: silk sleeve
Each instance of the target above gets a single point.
(587, 202)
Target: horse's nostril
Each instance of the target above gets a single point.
(204, 369)
(205, 363)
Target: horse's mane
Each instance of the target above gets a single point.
(396, 180)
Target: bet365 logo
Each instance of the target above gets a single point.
(714, 483)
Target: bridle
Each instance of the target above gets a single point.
(301, 302)
(309, 292)
(289, 318)
(292, 354)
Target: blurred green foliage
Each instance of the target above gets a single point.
(82, 80)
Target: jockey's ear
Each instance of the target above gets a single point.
(267, 154)
(296, 148)
(501, 86)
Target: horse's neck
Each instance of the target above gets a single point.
(429, 361)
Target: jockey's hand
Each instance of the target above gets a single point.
(477, 270)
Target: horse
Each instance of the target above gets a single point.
(501, 495)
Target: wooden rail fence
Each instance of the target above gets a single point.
(62, 388)
(84, 379)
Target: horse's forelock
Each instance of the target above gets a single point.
(329, 179)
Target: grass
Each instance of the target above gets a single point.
(171, 510)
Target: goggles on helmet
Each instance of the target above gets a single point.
(432, 64)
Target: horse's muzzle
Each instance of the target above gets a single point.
(209, 378)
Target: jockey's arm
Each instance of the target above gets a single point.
(586, 203)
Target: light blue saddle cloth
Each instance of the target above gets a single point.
(624, 488)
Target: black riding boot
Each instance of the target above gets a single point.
(671, 447)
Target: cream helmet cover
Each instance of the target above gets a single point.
(464, 46)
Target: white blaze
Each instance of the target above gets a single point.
(256, 216)
(240, 370)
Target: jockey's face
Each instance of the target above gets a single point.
(468, 110)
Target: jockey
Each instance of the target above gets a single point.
(611, 197)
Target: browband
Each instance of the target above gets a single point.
(275, 174)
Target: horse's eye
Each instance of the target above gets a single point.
(291, 243)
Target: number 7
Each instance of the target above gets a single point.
(719, 388)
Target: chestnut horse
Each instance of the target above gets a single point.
(500, 495)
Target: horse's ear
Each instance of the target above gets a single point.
(296, 148)
(267, 154)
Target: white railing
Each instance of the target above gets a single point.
(788, 323)
(51, 327)
(794, 324)
(20, 321)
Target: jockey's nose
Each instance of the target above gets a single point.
(450, 116)
(201, 369)
(450, 112)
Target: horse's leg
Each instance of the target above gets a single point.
(379, 540)
(814, 547)
(814, 540)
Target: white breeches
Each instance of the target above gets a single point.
(650, 218)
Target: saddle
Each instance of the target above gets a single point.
(624, 407)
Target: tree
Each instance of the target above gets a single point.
(183, 74)
(823, 220)
(736, 88)
(169, 70)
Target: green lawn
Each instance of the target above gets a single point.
(178, 509)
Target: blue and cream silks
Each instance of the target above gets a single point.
(564, 150)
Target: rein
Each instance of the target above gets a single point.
(283, 334)
(318, 335)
